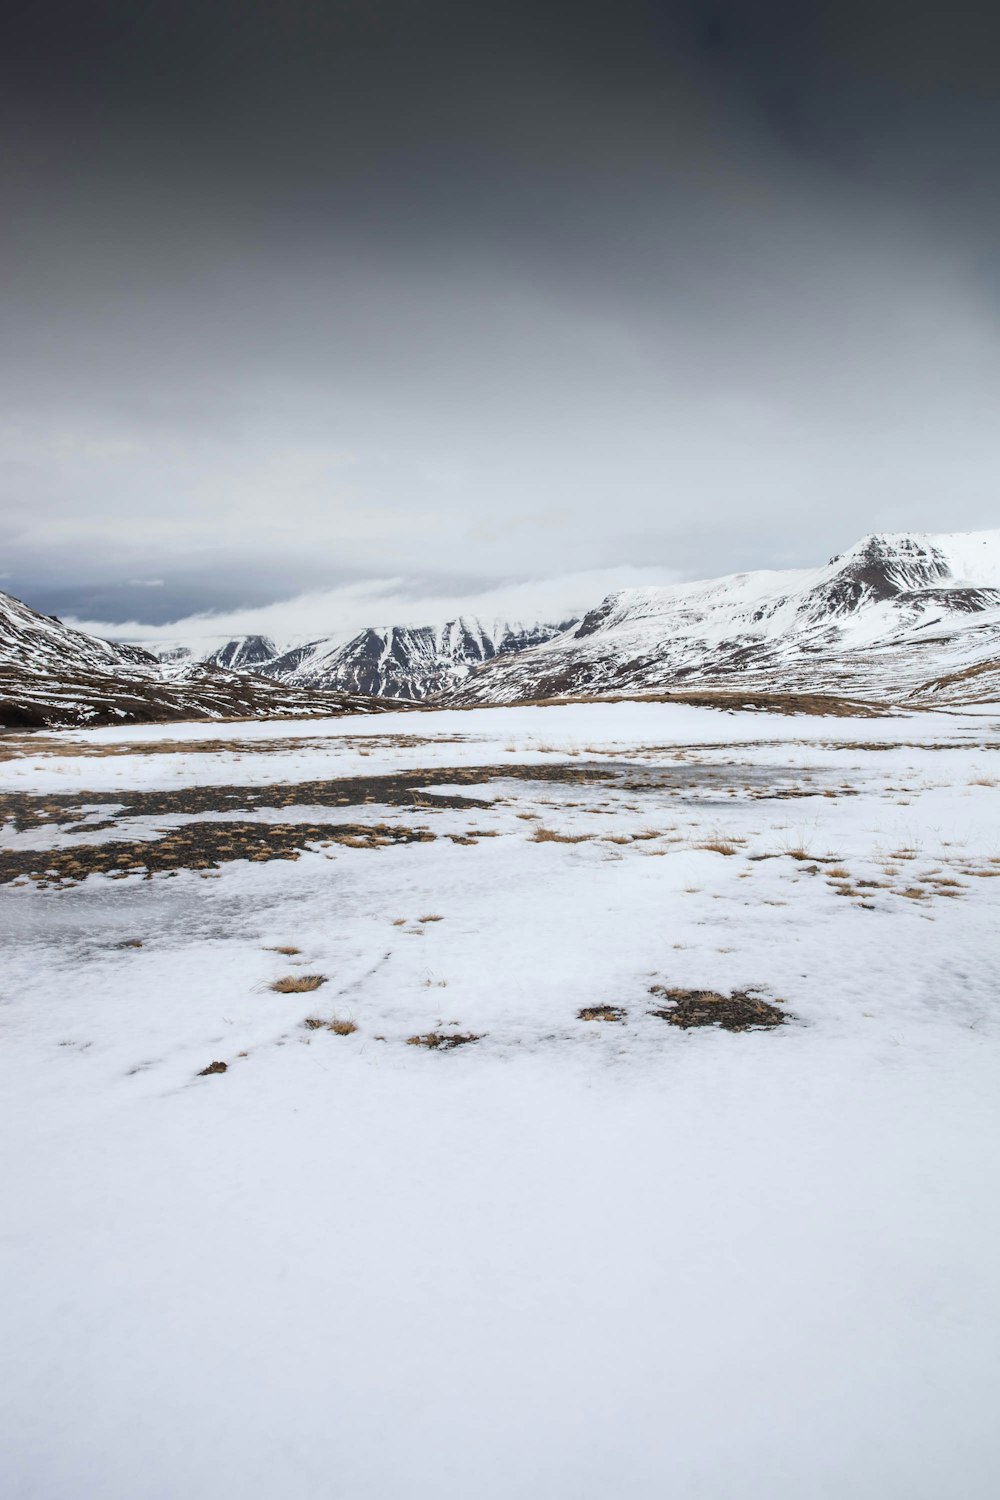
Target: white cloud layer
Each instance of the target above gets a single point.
(342, 612)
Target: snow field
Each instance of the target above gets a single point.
(572, 1259)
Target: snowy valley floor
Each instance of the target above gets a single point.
(431, 1231)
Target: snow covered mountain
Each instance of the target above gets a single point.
(249, 653)
(51, 674)
(899, 615)
(397, 661)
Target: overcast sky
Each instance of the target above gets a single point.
(420, 303)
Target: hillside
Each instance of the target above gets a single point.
(51, 674)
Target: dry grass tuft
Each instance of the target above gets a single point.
(298, 984)
(342, 1028)
(550, 836)
(443, 1041)
(214, 1067)
(432, 917)
(285, 948)
(719, 846)
(601, 1013)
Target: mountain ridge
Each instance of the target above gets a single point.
(410, 663)
(52, 674)
(899, 618)
(862, 625)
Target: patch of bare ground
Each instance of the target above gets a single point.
(826, 704)
(198, 846)
(739, 1011)
(443, 1041)
(400, 789)
(983, 675)
(17, 746)
(601, 1013)
(297, 984)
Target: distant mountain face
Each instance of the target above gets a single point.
(399, 661)
(51, 674)
(898, 616)
(250, 653)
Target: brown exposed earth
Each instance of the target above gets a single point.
(739, 1011)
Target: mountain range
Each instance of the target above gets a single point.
(51, 674)
(898, 617)
(417, 663)
(901, 618)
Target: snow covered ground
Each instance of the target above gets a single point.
(571, 1259)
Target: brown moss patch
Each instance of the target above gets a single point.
(739, 1011)
(199, 846)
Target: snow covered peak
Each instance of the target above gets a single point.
(407, 661)
(851, 622)
(915, 558)
(247, 653)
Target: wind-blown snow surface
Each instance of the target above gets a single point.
(573, 1259)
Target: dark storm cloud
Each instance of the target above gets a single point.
(302, 292)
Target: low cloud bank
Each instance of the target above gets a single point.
(342, 612)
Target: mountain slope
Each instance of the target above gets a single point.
(399, 661)
(51, 674)
(249, 653)
(880, 621)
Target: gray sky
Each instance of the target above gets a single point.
(433, 303)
